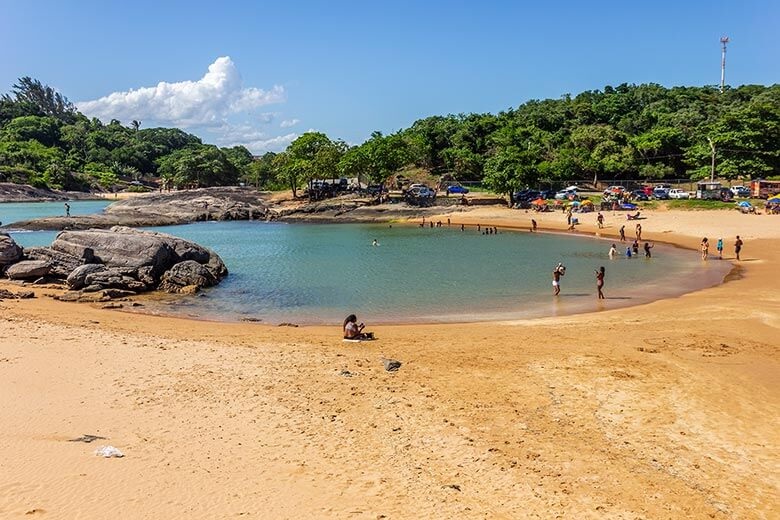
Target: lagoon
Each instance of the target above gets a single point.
(319, 273)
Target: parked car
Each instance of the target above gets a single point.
(740, 191)
(456, 188)
(376, 189)
(639, 195)
(661, 192)
(565, 194)
(676, 193)
(615, 190)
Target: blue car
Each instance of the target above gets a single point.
(457, 188)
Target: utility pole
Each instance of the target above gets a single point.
(712, 169)
(723, 41)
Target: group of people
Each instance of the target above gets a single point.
(560, 271)
(705, 248)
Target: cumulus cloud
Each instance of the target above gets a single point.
(287, 123)
(209, 100)
(256, 141)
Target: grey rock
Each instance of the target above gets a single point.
(60, 264)
(27, 269)
(77, 278)
(10, 252)
(391, 365)
(185, 274)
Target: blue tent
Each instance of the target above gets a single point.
(744, 204)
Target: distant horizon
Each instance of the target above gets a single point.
(260, 76)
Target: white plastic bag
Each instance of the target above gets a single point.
(108, 451)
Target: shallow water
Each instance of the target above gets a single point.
(318, 273)
(17, 211)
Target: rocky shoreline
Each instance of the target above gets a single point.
(232, 203)
(100, 264)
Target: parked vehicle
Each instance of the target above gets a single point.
(676, 193)
(740, 191)
(615, 190)
(566, 194)
(456, 188)
(639, 195)
(661, 192)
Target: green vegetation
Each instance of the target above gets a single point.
(624, 132)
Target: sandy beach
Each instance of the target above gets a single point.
(664, 410)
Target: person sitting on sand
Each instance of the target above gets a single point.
(354, 331)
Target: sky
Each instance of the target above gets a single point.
(261, 73)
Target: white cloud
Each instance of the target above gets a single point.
(287, 123)
(256, 141)
(208, 101)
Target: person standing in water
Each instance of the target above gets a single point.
(600, 281)
(612, 252)
(67, 209)
(648, 247)
(559, 271)
(705, 248)
(720, 249)
(375, 242)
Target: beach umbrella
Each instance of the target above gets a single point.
(774, 200)
(539, 202)
(587, 202)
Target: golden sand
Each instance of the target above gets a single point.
(665, 410)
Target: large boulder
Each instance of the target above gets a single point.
(183, 276)
(10, 252)
(133, 260)
(60, 264)
(27, 269)
(77, 279)
(117, 247)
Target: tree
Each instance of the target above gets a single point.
(46, 99)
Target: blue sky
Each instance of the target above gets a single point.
(279, 69)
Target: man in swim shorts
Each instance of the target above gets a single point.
(559, 271)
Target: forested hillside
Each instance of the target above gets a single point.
(628, 131)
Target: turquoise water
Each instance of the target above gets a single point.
(17, 211)
(318, 273)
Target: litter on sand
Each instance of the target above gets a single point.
(108, 451)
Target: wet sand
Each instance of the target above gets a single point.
(665, 410)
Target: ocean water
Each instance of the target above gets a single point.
(319, 273)
(16, 211)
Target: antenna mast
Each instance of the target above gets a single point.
(723, 41)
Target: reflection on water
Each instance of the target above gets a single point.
(309, 273)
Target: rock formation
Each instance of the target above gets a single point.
(116, 262)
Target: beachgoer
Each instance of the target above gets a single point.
(375, 243)
(462, 227)
(738, 246)
(448, 222)
(635, 247)
(648, 247)
(639, 231)
(600, 281)
(353, 330)
(533, 225)
(67, 209)
(559, 271)
(705, 248)
(720, 249)
(600, 220)
(628, 252)
(612, 252)
(623, 233)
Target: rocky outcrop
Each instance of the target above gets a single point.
(10, 252)
(164, 209)
(182, 277)
(122, 261)
(27, 270)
